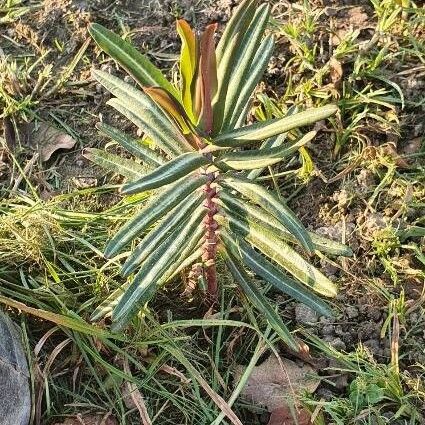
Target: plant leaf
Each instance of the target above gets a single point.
(208, 72)
(170, 222)
(159, 206)
(246, 210)
(114, 163)
(272, 204)
(259, 301)
(136, 64)
(273, 275)
(263, 130)
(107, 306)
(131, 145)
(235, 28)
(152, 270)
(273, 247)
(186, 258)
(148, 115)
(259, 65)
(226, 53)
(244, 60)
(167, 173)
(171, 106)
(253, 159)
(188, 64)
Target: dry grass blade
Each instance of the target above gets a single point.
(136, 397)
(219, 401)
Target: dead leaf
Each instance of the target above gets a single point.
(335, 70)
(133, 398)
(276, 380)
(90, 420)
(48, 139)
(390, 150)
(284, 416)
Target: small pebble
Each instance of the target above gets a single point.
(305, 315)
(328, 330)
(336, 343)
(352, 312)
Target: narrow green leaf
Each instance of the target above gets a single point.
(271, 274)
(227, 50)
(186, 262)
(188, 64)
(252, 159)
(246, 210)
(169, 223)
(165, 144)
(158, 207)
(259, 65)
(259, 301)
(236, 27)
(243, 61)
(153, 269)
(167, 173)
(272, 204)
(131, 145)
(149, 116)
(108, 305)
(188, 255)
(115, 163)
(275, 248)
(263, 130)
(138, 65)
(275, 141)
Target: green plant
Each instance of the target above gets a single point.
(210, 204)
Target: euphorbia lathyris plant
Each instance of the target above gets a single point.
(208, 202)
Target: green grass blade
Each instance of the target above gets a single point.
(272, 204)
(136, 64)
(276, 249)
(170, 222)
(74, 322)
(253, 159)
(258, 300)
(271, 274)
(115, 163)
(131, 145)
(167, 173)
(263, 130)
(157, 208)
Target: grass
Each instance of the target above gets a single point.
(181, 359)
